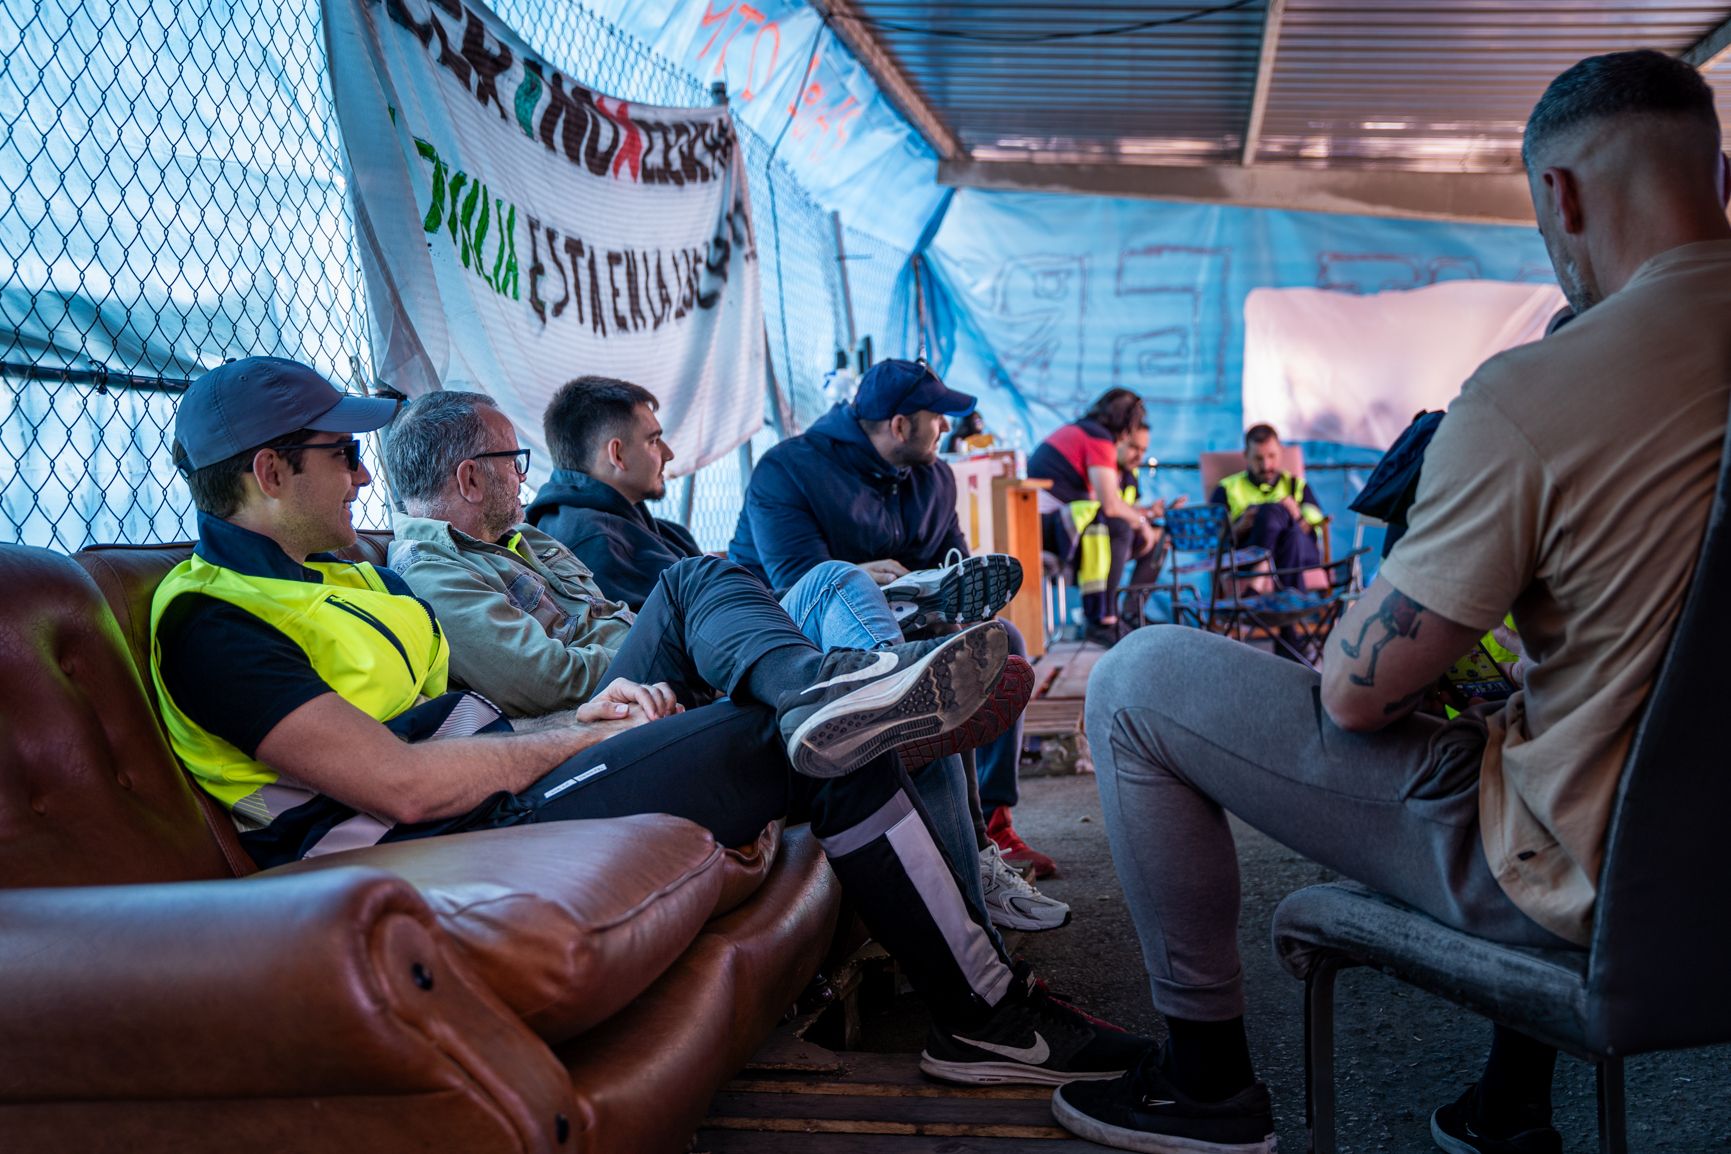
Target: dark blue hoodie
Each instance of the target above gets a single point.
(623, 544)
(826, 495)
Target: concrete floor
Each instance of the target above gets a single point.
(1400, 1052)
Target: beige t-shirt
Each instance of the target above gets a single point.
(1571, 480)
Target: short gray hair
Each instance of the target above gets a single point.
(1616, 84)
(431, 436)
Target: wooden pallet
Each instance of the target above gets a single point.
(859, 1103)
(1060, 689)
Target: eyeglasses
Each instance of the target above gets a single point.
(519, 459)
(351, 449)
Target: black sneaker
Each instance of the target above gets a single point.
(867, 702)
(1031, 1037)
(1104, 636)
(1457, 1129)
(1143, 1111)
(967, 589)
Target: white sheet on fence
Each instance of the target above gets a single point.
(1328, 366)
(517, 229)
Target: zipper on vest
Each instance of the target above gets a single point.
(432, 618)
(380, 626)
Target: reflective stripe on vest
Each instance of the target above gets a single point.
(1242, 492)
(381, 651)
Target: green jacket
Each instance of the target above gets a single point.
(528, 628)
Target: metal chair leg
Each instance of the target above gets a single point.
(1319, 1055)
(1613, 1111)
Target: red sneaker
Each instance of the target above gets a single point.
(989, 722)
(1016, 851)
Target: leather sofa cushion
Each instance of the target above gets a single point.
(89, 794)
(566, 922)
(129, 574)
(743, 868)
(643, 1079)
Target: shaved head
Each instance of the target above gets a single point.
(1623, 159)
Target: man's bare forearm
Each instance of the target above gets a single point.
(477, 767)
(332, 747)
(1385, 655)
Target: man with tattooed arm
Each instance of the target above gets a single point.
(1569, 485)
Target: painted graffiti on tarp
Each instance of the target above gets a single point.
(790, 78)
(1071, 296)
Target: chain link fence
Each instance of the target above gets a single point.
(172, 194)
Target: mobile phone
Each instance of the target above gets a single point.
(1476, 675)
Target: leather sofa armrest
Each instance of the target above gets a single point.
(332, 984)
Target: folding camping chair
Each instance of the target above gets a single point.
(1239, 595)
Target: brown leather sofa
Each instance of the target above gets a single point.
(583, 986)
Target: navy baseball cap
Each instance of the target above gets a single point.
(891, 387)
(243, 404)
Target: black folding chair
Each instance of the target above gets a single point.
(1235, 592)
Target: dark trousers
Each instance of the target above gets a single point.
(1122, 535)
(725, 767)
(1290, 542)
(704, 626)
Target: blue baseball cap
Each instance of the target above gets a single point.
(243, 404)
(891, 387)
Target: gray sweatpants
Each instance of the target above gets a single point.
(1185, 725)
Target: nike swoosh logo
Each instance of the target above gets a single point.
(882, 662)
(1033, 1055)
(1151, 1103)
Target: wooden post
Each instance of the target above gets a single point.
(1016, 517)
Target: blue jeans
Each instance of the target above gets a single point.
(838, 606)
(1000, 762)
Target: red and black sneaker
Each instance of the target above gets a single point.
(1016, 851)
(988, 723)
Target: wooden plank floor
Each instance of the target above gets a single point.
(877, 1104)
(1060, 684)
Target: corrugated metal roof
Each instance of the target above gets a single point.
(1394, 84)
(1179, 93)
(1404, 84)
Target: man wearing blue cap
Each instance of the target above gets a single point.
(864, 484)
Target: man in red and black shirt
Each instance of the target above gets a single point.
(1081, 461)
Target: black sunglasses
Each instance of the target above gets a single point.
(351, 449)
(520, 459)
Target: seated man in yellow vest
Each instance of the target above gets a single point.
(309, 695)
(1272, 509)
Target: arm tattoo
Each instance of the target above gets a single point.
(1399, 617)
(1406, 703)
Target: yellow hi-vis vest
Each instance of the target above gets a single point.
(381, 651)
(1242, 493)
(1094, 562)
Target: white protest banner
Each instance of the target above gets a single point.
(518, 230)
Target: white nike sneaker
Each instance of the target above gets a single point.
(1011, 902)
(1031, 1037)
(866, 702)
(964, 589)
